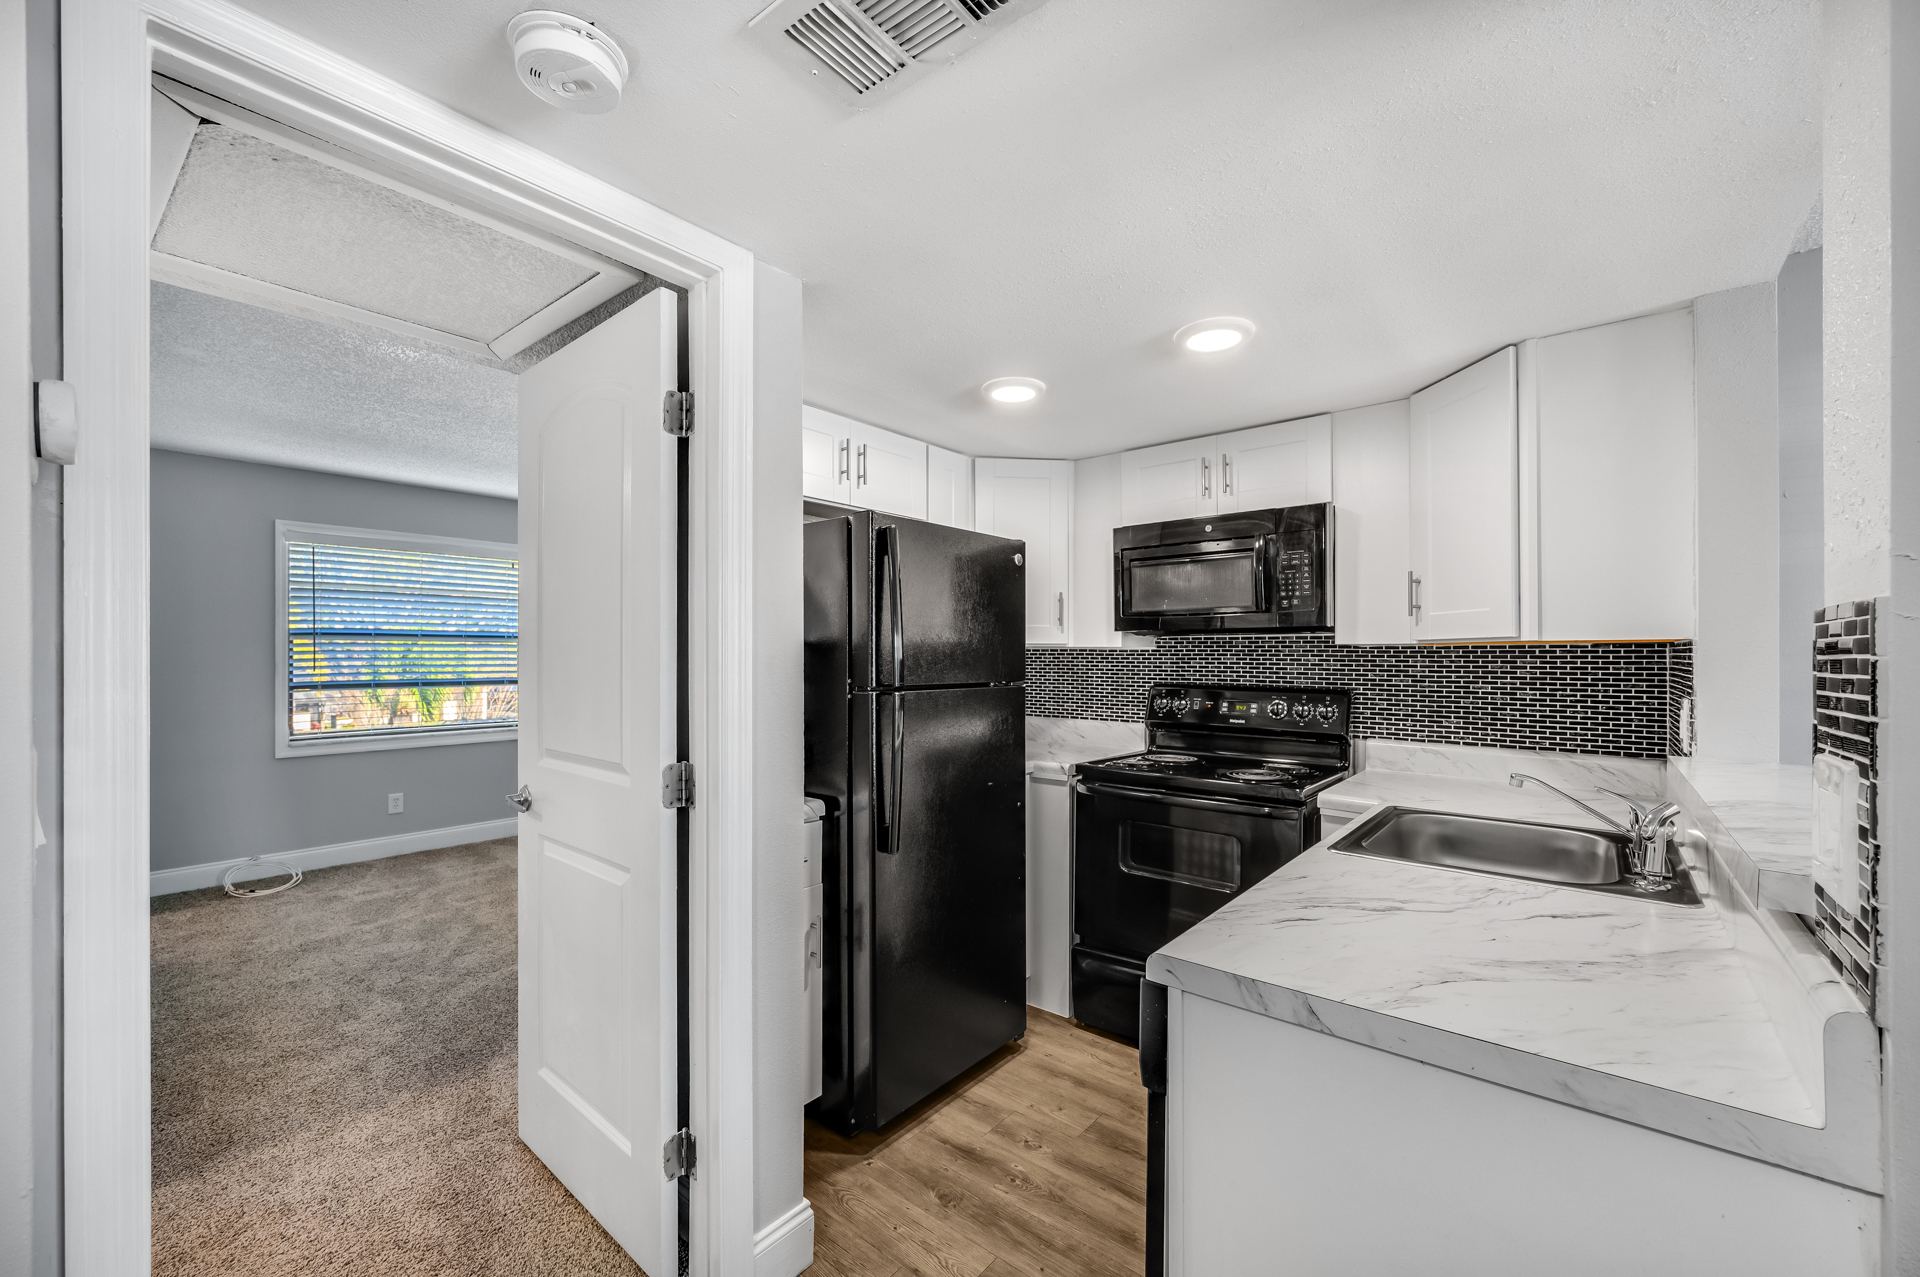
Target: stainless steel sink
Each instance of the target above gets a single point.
(1593, 860)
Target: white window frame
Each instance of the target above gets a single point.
(285, 743)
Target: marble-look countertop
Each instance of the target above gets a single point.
(1768, 809)
(1638, 1010)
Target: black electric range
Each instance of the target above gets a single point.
(1220, 798)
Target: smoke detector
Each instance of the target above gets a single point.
(566, 61)
(857, 46)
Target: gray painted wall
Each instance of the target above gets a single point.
(218, 791)
(1802, 506)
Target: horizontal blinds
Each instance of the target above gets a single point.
(358, 616)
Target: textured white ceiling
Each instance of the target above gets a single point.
(262, 211)
(233, 380)
(1389, 189)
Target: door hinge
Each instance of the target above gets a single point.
(677, 416)
(677, 1154)
(676, 785)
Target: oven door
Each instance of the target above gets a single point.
(1202, 578)
(1148, 865)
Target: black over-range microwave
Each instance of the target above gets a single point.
(1258, 571)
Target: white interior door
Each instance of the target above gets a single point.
(1464, 503)
(1269, 467)
(597, 608)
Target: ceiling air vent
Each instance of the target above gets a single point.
(841, 42)
(866, 44)
(914, 25)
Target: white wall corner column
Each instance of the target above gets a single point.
(19, 1148)
(782, 1219)
(1870, 64)
(1857, 222)
(1737, 655)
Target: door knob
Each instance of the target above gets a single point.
(522, 798)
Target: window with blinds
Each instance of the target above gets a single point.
(384, 641)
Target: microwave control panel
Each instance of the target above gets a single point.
(1293, 709)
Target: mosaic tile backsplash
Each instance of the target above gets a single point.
(1589, 698)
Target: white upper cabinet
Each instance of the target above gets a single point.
(1370, 550)
(889, 472)
(825, 460)
(1615, 415)
(1261, 468)
(1268, 467)
(857, 464)
(949, 488)
(1464, 504)
(1032, 501)
(1171, 481)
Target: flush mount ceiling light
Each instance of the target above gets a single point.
(566, 61)
(1211, 336)
(1013, 390)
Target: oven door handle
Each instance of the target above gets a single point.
(1184, 800)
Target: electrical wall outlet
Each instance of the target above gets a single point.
(396, 803)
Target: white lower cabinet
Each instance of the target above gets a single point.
(1049, 888)
(1464, 504)
(1032, 501)
(1291, 1150)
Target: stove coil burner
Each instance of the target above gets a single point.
(1168, 758)
(1261, 773)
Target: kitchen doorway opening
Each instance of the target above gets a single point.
(336, 412)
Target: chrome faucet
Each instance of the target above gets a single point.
(1649, 854)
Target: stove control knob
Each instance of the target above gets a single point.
(1180, 704)
(1327, 713)
(1276, 709)
(1302, 710)
(1162, 703)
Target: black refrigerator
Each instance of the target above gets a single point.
(916, 742)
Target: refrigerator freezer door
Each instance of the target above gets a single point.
(949, 606)
(949, 898)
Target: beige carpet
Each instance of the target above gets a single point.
(333, 1082)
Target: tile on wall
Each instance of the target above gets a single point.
(1591, 698)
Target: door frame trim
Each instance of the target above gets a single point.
(109, 48)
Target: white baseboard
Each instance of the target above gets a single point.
(163, 882)
(784, 1248)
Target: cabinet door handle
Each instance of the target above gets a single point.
(1206, 478)
(1226, 474)
(1413, 596)
(846, 446)
(862, 478)
(1060, 612)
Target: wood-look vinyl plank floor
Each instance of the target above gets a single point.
(1032, 1165)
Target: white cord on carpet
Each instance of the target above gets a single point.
(226, 879)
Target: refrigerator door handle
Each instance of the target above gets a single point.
(889, 805)
(896, 612)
